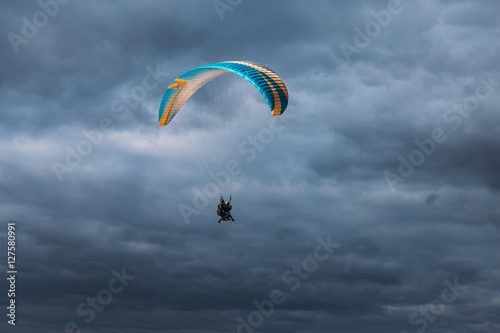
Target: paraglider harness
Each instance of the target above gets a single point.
(224, 210)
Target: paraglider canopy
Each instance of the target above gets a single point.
(216, 130)
(264, 79)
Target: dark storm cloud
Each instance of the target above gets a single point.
(118, 207)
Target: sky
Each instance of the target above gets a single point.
(374, 208)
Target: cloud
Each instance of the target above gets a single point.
(72, 95)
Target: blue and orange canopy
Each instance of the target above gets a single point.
(264, 79)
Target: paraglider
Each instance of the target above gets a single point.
(216, 131)
(224, 210)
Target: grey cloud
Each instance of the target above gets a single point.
(321, 176)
